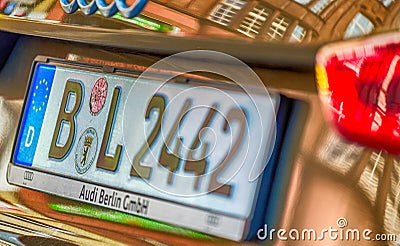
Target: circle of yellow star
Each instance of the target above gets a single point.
(38, 108)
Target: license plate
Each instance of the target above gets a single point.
(183, 155)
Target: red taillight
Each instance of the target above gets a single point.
(359, 83)
(3, 4)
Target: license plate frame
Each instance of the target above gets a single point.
(228, 226)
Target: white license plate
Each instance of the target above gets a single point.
(182, 155)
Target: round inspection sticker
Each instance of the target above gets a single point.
(98, 96)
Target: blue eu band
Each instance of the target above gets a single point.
(35, 110)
